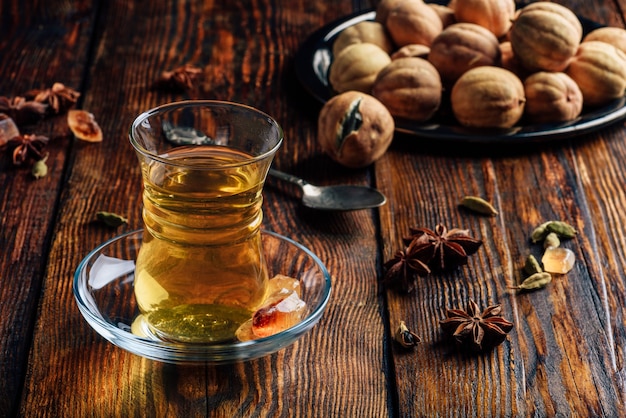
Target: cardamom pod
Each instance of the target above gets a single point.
(562, 229)
(551, 241)
(406, 338)
(539, 233)
(40, 169)
(111, 219)
(478, 205)
(532, 266)
(535, 281)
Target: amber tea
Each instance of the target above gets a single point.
(200, 272)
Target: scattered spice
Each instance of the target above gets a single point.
(535, 281)
(22, 111)
(405, 337)
(476, 330)
(560, 228)
(111, 219)
(27, 146)
(443, 249)
(59, 98)
(428, 250)
(84, 126)
(551, 241)
(532, 266)
(478, 205)
(539, 233)
(555, 260)
(405, 267)
(40, 169)
(181, 78)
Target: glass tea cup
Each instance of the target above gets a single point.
(200, 271)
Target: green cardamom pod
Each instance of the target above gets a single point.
(539, 233)
(551, 241)
(40, 169)
(111, 219)
(478, 205)
(535, 281)
(532, 266)
(562, 229)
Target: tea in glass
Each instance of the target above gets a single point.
(200, 272)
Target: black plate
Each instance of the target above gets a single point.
(315, 56)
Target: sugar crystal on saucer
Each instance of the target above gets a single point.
(281, 283)
(282, 309)
(280, 313)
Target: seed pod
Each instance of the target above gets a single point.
(535, 281)
(40, 169)
(478, 205)
(111, 219)
(406, 338)
(532, 266)
(539, 233)
(562, 229)
(551, 241)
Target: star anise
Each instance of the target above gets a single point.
(27, 146)
(404, 268)
(22, 111)
(443, 249)
(479, 331)
(181, 78)
(59, 97)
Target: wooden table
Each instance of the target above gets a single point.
(564, 357)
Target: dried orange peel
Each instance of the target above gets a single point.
(84, 126)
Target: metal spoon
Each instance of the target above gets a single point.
(334, 198)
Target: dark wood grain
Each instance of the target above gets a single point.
(35, 43)
(564, 357)
(235, 46)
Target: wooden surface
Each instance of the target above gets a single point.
(564, 357)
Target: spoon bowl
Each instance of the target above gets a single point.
(344, 197)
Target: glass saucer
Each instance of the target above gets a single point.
(103, 288)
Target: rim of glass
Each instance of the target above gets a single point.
(172, 352)
(200, 103)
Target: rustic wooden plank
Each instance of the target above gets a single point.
(36, 38)
(328, 371)
(552, 362)
(563, 357)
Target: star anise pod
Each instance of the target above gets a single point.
(474, 329)
(59, 97)
(448, 249)
(27, 146)
(181, 78)
(405, 266)
(22, 111)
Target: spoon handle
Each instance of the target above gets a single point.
(287, 177)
